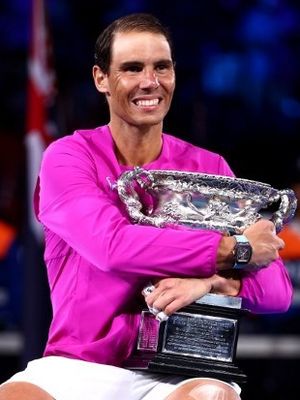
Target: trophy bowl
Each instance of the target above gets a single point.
(202, 201)
(200, 339)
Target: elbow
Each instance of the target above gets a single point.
(108, 263)
(109, 254)
(269, 301)
(283, 298)
(271, 304)
(268, 291)
(113, 260)
(285, 302)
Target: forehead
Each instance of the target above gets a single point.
(139, 46)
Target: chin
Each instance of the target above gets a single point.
(147, 123)
(149, 120)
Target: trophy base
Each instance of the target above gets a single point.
(199, 340)
(181, 365)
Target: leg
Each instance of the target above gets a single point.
(23, 391)
(204, 389)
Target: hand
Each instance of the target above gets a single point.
(171, 294)
(265, 243)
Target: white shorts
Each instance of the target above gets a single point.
(70, 379)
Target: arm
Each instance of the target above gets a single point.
(267, 290)
(76, 207)
(171, 294)
(265, 286)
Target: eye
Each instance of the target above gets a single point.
(133, 68)
(163, 67)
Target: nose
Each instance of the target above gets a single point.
(149, 80)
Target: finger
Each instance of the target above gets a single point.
(175, 305)
(160, 289)
(152, 298)
(164, 300)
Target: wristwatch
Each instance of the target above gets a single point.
(242, 252)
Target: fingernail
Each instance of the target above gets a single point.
(154, 310)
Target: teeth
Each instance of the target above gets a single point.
(147, 103)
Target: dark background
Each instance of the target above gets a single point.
(238, 93)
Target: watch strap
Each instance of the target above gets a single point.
(241, 238)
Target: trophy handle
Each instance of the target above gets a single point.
(130, 197)
(286, 210)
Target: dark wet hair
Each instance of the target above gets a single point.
(139, 22)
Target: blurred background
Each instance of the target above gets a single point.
(238, 94)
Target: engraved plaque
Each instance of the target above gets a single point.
(199, 336)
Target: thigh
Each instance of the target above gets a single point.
(68, 379)
(204, 389)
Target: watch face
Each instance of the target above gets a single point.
(243, 253)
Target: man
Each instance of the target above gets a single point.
(98, 261)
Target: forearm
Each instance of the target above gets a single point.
(132, 249)
(171, 294)
(267, 290)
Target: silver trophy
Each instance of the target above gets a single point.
(200, 339)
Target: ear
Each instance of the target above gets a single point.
(100, 80)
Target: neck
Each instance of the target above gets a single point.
(137, 146)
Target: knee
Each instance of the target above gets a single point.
(204, 389)
(22, 391)
(210, 391)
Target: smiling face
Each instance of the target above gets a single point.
(141, 80)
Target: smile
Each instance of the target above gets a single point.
(146, 103)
